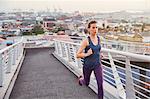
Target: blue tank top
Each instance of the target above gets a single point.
(93, 60)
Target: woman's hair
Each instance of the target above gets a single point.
(91, 22)
(85, 31)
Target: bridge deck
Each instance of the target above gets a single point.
(43, 77)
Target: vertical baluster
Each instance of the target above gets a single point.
(9, 61)
(63, 49)
(19, 49)
(66, 51)
(130, 94)
(1, 70)
(74, 54)
(14, 55)
(17, 52)
(59, 49)
(56, 48)
(117, 79)
(69, 52)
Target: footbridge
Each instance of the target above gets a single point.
(46, 69)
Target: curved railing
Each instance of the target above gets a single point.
(127, 79)
(133, 47)
(9, 59)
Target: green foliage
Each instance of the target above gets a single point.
(41, 22)
(55, 30)
(37, 30)
(26, 33)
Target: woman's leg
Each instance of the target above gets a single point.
(99, 77)
(86, 79)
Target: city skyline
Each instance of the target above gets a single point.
(76, 5)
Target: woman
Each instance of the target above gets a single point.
(91, 55)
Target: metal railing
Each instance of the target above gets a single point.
(8, 60)
(36, 42)
(133, 47)
(42, 41)
(130, 80)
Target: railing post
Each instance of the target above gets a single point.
(9, 62)
(56, 48)
(1, 70)
(130, 94)
(22, 47)
(119, 85)
(17, 52)
(74, 52)
(14, 55)
(63, 50)
(66, 51)
(69, 52)
(59, 49)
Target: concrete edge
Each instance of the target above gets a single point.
(51, 46)
(12, 83)
(92, 85)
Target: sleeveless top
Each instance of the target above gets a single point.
(93, 60)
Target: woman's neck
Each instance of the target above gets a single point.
(93, 36)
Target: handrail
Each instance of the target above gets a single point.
(7, 48)
(9, 58)
(61, 48)
(129, 54)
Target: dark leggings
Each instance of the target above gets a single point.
(99, 78)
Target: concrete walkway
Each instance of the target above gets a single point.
(43, 77)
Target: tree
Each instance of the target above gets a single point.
(55, 30)
(26, 33)
(37, 30)
(41, 22)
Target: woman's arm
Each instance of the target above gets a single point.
(80, 53)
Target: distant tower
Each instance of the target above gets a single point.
(48, 10)
(55, 10)
(14, 10)
(60, 10)
(31, 10)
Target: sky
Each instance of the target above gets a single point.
(74, 5)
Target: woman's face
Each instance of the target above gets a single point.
(93, 29)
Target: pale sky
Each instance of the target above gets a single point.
(74, 5)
